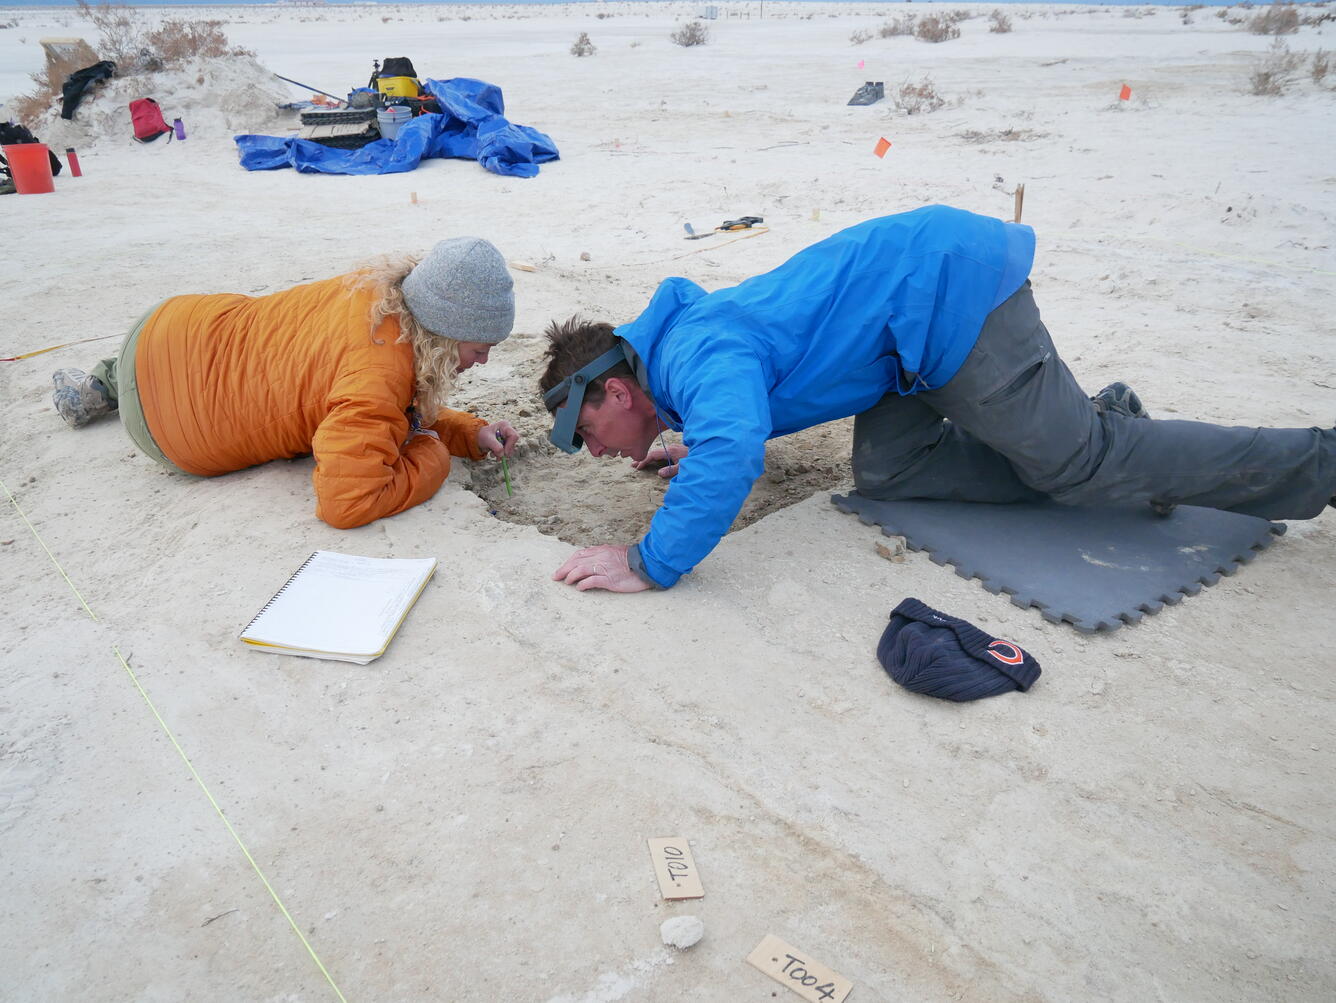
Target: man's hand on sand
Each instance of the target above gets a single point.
(601, 567)
(498, 439)
(669, 458)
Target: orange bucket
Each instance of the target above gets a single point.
(30, 164)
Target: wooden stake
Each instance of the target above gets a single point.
(1020, 199)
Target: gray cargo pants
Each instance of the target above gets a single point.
(1013, 425)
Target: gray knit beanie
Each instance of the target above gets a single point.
(462, 290)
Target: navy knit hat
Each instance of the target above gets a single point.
(942, 656)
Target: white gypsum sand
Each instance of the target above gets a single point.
(465, 818)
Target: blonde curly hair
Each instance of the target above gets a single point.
(435, 357)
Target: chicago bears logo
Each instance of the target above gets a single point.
(1014, 655)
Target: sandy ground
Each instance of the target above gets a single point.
(465, 818)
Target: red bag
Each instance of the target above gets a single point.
(146, 117)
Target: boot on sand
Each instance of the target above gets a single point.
(79, 397)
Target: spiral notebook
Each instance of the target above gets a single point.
(340, 607)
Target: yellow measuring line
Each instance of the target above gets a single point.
(43, 351)
(31, 528)
(182, 753)
(200, 780)
(755, 231)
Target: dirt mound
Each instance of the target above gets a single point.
(215, 97)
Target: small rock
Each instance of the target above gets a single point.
(1097, 687)
(584, 256)
(893, 549)
(682, 931)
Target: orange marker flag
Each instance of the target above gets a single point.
(1125, 93)
(882, 146)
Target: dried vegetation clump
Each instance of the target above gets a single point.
(936, 29)
(582, 46)
(691, 33)
(1008, 135)
(900, 26)
(918, 98)
(48, 80)
(860, 36)
(1281, 19)
(999, 23)
(134, 45)
(176, 42)
(1277, 72)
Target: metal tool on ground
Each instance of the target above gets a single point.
(728, 225)
(308, 87)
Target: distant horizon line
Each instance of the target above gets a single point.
(285, 4)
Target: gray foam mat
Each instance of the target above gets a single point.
(1093, 568)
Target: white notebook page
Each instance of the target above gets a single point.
(342, 603)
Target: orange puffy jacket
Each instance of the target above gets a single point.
(228, 381)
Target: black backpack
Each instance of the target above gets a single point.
(394, 66)
(397, 66)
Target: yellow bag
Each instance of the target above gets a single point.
(398, 87)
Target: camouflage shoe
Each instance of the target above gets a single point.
(79, 397)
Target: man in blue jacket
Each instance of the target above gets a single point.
(923, 326)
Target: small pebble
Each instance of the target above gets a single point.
(584, 256)
(682, 931)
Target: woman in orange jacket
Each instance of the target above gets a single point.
(354, 370)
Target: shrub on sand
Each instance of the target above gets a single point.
(49, 80)
(900, 26)
(1321, 64)
(918, 99)
(999, 23)
(135, 46)
(860, 36)
(175, 42)
(936, 29)
(691, 33)
(1276, 72)
(1280, 19)
(582, 46)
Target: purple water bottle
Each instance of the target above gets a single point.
(180, 128)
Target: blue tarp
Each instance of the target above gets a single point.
(471, 124)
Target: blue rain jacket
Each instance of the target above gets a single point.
(471, 125)
(892, 303)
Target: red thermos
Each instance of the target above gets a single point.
(73, 158)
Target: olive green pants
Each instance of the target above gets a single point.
(118, 376)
